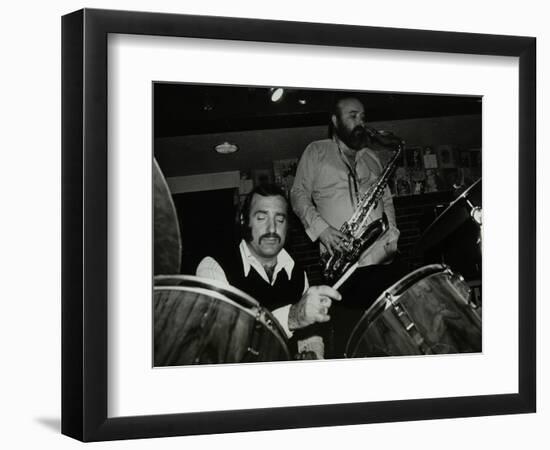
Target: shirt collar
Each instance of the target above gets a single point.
(284, 261)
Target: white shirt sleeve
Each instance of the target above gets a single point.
(209, 268)
(281, 314)
(301, 194)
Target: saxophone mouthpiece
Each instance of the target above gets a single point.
(385, 138)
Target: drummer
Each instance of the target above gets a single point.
(261, 267)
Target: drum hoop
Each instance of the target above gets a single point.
(412, 278)
(252, 311)
(205, 287)
(393, 292)
(222, 287)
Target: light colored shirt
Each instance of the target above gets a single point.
(327, 187)
(210, 268)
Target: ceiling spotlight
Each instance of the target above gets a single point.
(302, 101)
(276, 94)
(226, 148)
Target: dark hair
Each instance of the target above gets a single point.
(265, 190)
(335, 108)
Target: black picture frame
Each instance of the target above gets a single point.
(84, 224)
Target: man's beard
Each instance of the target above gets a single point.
(355, 139)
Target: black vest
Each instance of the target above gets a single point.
(283, 292)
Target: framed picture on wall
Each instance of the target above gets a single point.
(414, 158)
(121, 224)
(285, 171)
(446, 155)
(262, 176)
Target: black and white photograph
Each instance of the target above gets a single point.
(296, 224)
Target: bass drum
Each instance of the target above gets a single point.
(199, 321)
(426, 312)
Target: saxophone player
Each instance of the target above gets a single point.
(332, 175)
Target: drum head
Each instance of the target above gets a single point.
(426, 312)
(197, 321)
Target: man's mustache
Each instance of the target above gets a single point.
(270, 236)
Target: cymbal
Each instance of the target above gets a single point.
(452, 218)
(167, 238)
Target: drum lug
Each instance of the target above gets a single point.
(407, 323)
(389, 299)
(454, 276)
(472, 302)
(260, 318)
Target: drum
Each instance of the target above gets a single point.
(167, 236)
(199, 321)
(426, 312)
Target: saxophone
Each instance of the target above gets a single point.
(359, 235)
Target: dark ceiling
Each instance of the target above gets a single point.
(187, 109)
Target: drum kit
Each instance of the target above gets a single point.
(198, 321)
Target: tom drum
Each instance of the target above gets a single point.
(426, 312)
(197, 321)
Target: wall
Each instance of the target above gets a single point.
(188, 155)
(30, 229)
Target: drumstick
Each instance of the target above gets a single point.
(346, 275)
